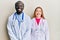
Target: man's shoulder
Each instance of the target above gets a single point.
(26, 16)
(11, 16)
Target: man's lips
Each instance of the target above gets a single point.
(19, 9)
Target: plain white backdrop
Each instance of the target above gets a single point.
(51, 10)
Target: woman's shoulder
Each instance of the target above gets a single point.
(33, 19)
(44, 20)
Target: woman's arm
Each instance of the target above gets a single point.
(46, 30)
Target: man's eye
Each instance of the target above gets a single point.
(16, 6)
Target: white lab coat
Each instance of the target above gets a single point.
(16, 32)
(39, 32)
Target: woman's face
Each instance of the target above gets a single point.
(38, 12)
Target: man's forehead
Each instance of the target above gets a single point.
(19, 2)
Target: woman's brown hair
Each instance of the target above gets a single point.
(42, 15)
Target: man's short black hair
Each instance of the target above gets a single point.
(18, 2)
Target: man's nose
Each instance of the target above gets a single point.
(20, 6)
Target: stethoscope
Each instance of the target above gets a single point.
(15, 16)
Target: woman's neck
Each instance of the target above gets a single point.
(38, 17)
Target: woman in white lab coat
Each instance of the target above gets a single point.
(39, 26)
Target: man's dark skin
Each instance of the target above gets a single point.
(19, 6)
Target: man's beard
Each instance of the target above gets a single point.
(19, 12)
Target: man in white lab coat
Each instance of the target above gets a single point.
(19, 24)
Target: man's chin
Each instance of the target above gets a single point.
(19, 12)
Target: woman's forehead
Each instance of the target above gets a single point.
(38, 9)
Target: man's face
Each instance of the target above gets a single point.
(19, 7)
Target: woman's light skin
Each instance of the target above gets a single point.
(38, 13)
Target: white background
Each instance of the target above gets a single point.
(51, 11)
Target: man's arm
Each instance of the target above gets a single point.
(10, 32)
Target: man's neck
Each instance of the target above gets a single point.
(18, 13)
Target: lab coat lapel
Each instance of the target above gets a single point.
(16, 27)
(40, 26)
(23, 25)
